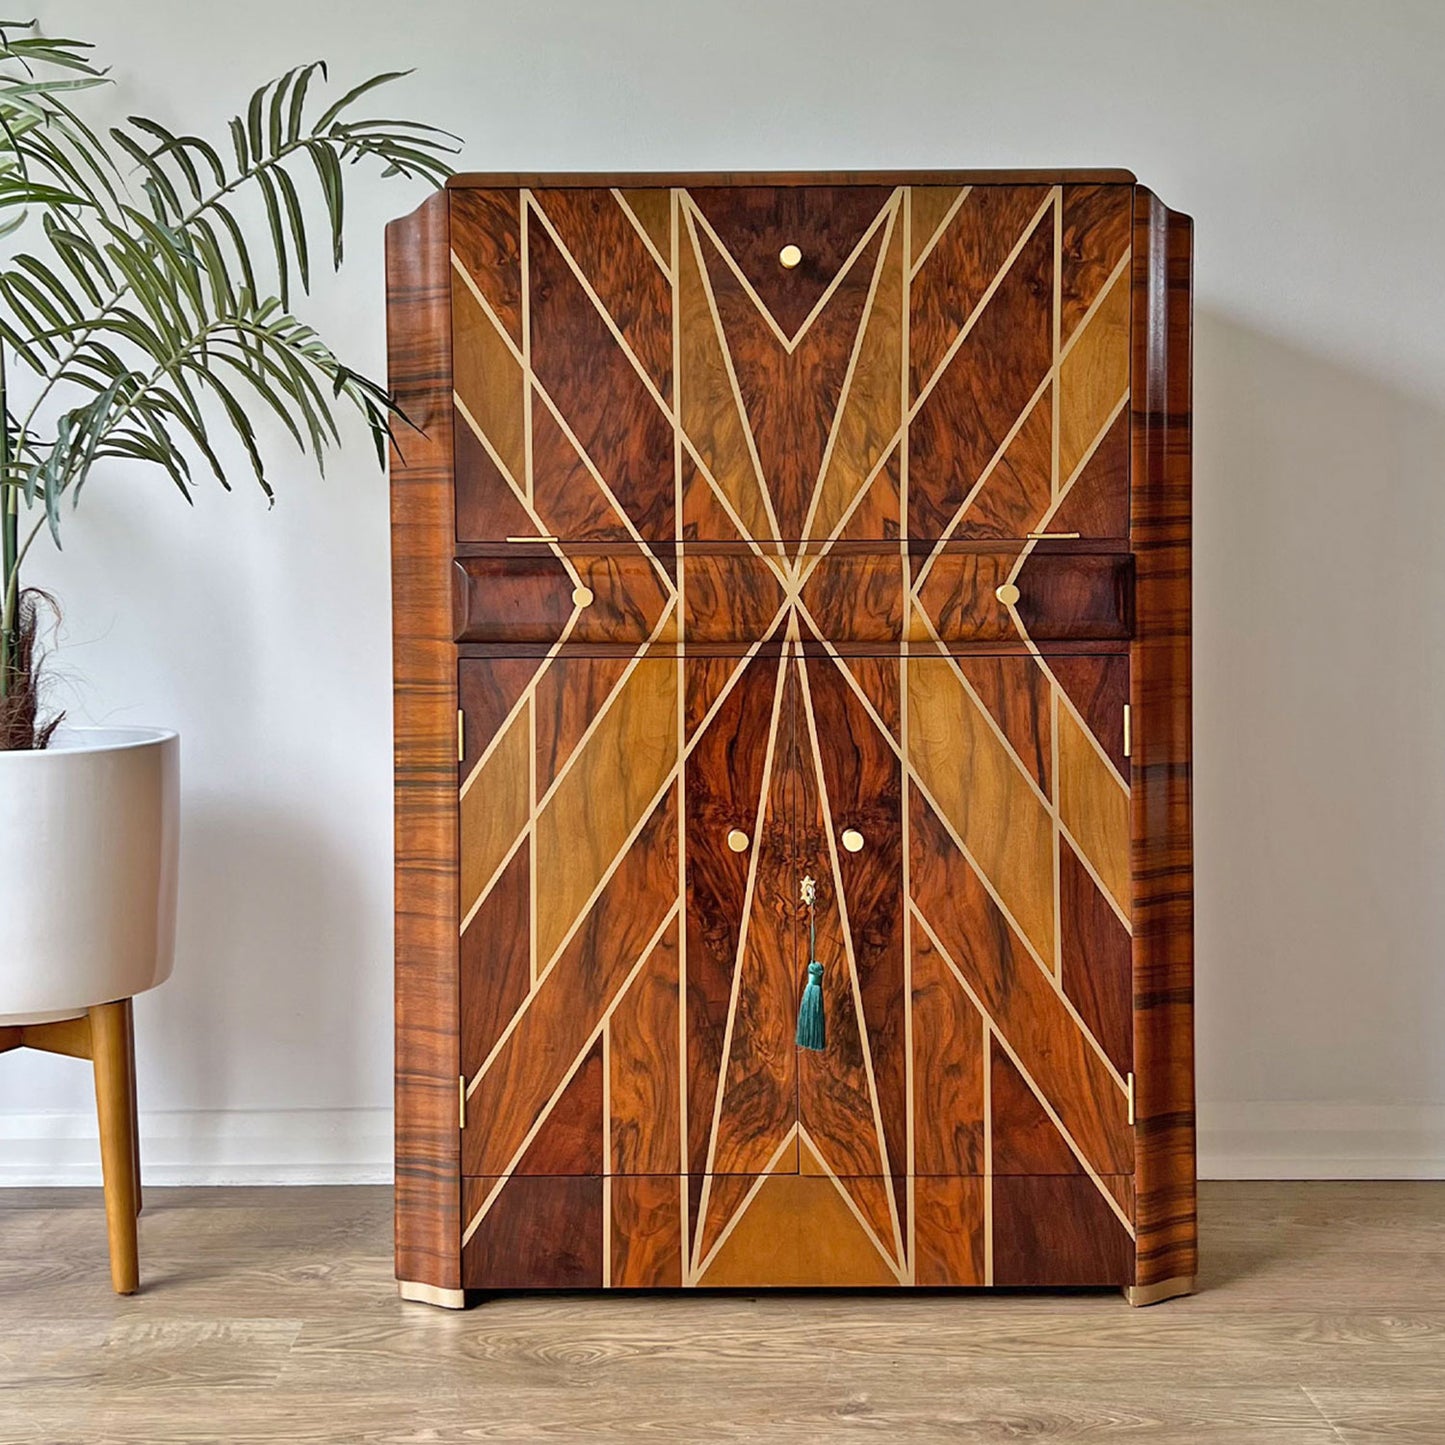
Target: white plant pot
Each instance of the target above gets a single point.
(89, 839)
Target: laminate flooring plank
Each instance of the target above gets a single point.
(270, 1315)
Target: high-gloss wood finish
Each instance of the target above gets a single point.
(855, 595)
(274, 1321)
(1056, 1227)
(754, 223)
(1163, 848)
(649, 180)
(428, 1177)
(793, 538)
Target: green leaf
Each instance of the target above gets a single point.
(298, 97)
(156, 174)
(172, 147)
(238, 141)
(278, 237)
(276, 112)
(333, 190)
(355, 94)
(238, 242)
(292, 201)
(138, 305)
(253, 120)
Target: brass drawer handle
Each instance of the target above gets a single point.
(789, 257)
(852, 840)
(1007, 593)
(737, 840)
(582, 596)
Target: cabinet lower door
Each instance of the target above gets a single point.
(629, 949)
(968, 819)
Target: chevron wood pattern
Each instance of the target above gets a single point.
(744, 575)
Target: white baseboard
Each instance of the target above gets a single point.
(207, 1146)
(1322, 1141)
(354, 1146)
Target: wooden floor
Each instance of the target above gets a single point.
(270, 1315)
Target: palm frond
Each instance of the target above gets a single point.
(153, 313)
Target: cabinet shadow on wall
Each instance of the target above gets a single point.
(1319, 608)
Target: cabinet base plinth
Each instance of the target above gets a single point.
(1140, 1295)
(431, 1294)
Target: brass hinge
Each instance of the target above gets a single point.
(461, 736)
(1128, 731)
(462, 1101)
(548, 537)
(1130, 1083)
(1052, 536)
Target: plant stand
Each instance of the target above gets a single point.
(104, 1034)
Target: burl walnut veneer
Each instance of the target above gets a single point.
(755, 528)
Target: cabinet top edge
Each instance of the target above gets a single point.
(642, 180)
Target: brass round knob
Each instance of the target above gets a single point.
(789, 256)
(582, 596)
(1008, 594)
(852, 840)
(737, 840)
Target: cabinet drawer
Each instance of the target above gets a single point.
(535, 597)
(791, 1231)
(857, 598)
(873, 597)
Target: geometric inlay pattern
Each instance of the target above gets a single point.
(772, 518)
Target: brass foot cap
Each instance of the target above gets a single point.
(1139, 1295)
(430, 1294)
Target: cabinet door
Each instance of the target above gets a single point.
(934, 362)
(629, 956)
(967, 1122)
(1019, 892)
(562, 340)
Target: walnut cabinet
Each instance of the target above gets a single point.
(757, 536)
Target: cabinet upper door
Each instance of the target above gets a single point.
(790, 365)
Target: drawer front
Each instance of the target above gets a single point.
(539, 597)
(967, 598)
(851, 599)
(802, 1231)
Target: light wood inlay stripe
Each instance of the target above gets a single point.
(980, 788)
(869, 407)
(1094, 808)
(495, 809)
(1094, 374)
(488, 377)
(598, 802)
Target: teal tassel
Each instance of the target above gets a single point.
(812, 1026)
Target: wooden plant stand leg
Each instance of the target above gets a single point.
(134, 1108)
(113, 1056)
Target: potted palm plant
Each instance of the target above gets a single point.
(145, 311)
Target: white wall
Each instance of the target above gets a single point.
(1304, 139)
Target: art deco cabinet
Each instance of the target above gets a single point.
(762, 537)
